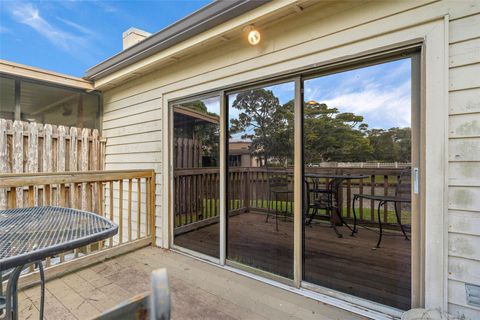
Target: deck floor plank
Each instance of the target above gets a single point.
(199, 291)
(345, 264)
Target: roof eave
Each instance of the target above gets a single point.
(202, 20)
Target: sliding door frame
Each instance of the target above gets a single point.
(171, 208)
(416, 54)
(413, 48)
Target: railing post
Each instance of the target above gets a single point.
(246, 198)
(152, 208)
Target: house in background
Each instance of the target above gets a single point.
(207, 80)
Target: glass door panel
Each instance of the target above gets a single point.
(260, 178)
(357, 159)
(196, 194)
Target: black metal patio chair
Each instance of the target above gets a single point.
(278, 188)
(5, 274)
(323, 196)
(402, 195)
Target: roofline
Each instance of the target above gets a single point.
(196, 114)
(24, 71)
(199, 21)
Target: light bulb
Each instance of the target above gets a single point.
(254, 37)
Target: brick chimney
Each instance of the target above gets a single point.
(133, 36)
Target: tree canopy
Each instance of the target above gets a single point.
(329, 135)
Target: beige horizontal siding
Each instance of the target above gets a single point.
(132, 139)
(466, 222)
(464, 166)
(464, 126)
(465, 77)
(457, 295)
(147, 125)
(464, 53)
(465, 101)
(464, 246)
(465, 28)
(139, 146)
(464, 149)
(133, 111)
(464, 173)
(464, 198)
(462, 312)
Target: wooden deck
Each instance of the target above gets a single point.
(199, 291)
(345, 264)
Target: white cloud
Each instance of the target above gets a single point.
(381, 107)
(105, 6)
(76, 26)
(4, 30)
(212, 104)
(381, 93)
(28, 14)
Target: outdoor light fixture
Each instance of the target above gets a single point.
(253, 35)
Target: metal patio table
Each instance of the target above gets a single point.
(30, 235)
(332, 190)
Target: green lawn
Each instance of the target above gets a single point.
(210, 210)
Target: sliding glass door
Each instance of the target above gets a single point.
(354, 133)
(357, 163)
(196, 174)
(260, 178)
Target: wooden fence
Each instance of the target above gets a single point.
(386, 165)
(124, 197)
(31, 148)
(187, 153)
(197, 195)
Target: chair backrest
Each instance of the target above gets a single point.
(404, 186)
(277, 178)
(275, 181)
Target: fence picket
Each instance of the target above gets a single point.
(3, 160)
(31, 148)
(18, 158)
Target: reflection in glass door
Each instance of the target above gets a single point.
(357, 159)
(196, 195)
(259, 178)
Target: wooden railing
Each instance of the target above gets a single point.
(197, 193)
(124, 197)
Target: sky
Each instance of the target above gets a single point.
(380, 93)
(71, 36)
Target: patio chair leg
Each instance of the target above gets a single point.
(314, 213)
(12, 294)
(354, 216)
(42, 288)
(342, 221)
(268, 207)
(379, 225)
(399, 220)
(339, 235)
(276, 212)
